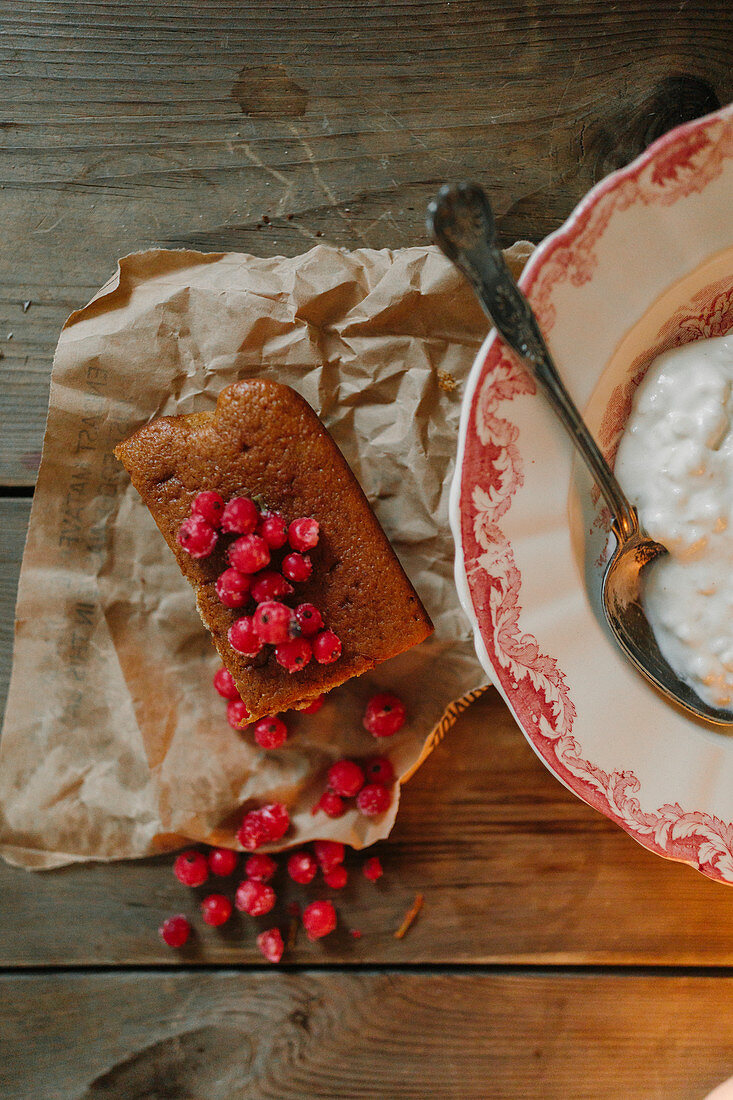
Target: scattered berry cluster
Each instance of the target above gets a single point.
(368, 783)
(256, 897)
(295, 635)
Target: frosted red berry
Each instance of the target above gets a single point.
(336, 878)
(271, 944)
(216, 910)
(260, 867)
(302, 867)
(378, 769)
(303, 534)
(254, 898)
(373, 799)
(224, 684)
(326, 647)
(175, 931)
(331, 804)
(209, 505)
(297, 567)
(237, 714)
(232, 588)
(243, 637)
(273, 622)
(240, 516)
(315, 705)
(197, 537)
(270, 585)
(191, 868)
(270, 733)
(249, 554)
(384, 715)
(263, 826)
(329, 853)
(319, 919)
(372, 868)
(294, 655)
(345, 778)
(309, 619)
(273, 530)
(222, 861)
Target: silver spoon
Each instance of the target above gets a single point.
(462, 224)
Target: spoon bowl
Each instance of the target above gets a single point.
(462, 224)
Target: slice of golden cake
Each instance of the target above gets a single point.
(294, 577)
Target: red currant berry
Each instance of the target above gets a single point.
(378, 769)
(309, 619)
(384, 715)
(249, 554)
(319, 918)
(315, 705)
(326, 647)
(263, 826)
(191, 868)
(329, 853)
(224, 684)
(302, 867)
(237, 714)
(216, 910)
(270, 733)
(345, 778)
(175, 931)
(260, 867)
(271, 944)
(222, 861)
(270, 585)
(273, 622)
(294, 655)
(273, 530)
(303, 534)
(232, 588)
(373, 799)
(373, 868)
(240, 517)
(243, 637)
(197, 537)
(209, 505)
(337, 878)
(254, 898)
(276, 820)
(297, 567)
(331, 804)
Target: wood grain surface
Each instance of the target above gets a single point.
(514, 869)
(265, 128)
(129, 125)
(293, 1036)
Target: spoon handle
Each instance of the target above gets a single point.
(462, 224)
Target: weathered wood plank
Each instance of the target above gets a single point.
(513, 868)
(375, 1035)
(126, 127)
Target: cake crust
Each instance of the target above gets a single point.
(264, 441)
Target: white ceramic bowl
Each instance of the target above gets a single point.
(645, 262)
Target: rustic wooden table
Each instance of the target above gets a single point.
(554, 957)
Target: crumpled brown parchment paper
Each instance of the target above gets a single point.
(115, 744)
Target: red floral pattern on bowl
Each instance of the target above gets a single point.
(644, 263)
